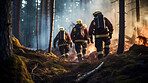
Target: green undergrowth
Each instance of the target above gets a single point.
(129, 67)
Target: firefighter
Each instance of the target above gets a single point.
(64, 41)
(80, 37)
(102, 29)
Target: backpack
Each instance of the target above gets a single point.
(62, 36)
(100, 24)
(79, 32)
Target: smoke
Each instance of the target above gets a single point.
(74, 11)
(68, 12)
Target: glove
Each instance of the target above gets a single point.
(110, 36)
(73, 40)
(88, 41)
(54, 45)
(91, 38)
(71, 45)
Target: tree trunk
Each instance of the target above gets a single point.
(137, 11)
(132, 14)
(5, 30)
(52, 13)
(47, 21)
(16, 18)
(121, 26)
(81, 4)
(138, 16)
(37, 27)
(19, 24)
(41, 22)
(72, 9)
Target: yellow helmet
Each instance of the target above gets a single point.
(62, 28)
(79, 21)
(97, 12)
(85, 25)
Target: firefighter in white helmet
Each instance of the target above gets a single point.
(64, 41)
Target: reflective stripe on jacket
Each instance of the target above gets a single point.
(102, 35)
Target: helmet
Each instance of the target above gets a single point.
(79, 21)
(85, 25)
(62, 28)
(97, 12)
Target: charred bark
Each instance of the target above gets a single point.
(52, 13)
(5, 30)
(121, 26)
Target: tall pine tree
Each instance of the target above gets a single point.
(5, 30)
(121, 26)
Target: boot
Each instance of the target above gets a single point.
(79, 58)
(66, 56)
(100, 56)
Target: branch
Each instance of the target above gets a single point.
(35, 66)
(89, 73)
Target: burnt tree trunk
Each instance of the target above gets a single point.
(41, 23)
(16, 18)
(5, 30)
(52, 13)
(121, 26)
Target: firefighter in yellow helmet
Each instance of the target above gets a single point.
(80, 37)
(102, 29)
(64, 41)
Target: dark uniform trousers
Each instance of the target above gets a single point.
(99, 46)
(78, 47)
(64, 50)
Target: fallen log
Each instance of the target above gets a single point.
(88, 73)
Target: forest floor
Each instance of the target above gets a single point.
(129, 67)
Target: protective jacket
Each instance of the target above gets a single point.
(74, 33)
(103, 33)
(67, 40)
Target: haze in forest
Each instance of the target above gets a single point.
(68, 12)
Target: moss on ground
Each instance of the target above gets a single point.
(16, 42)
(48, 66)
(129, 67)
(14, 70)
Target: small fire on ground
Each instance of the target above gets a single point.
(142, 39)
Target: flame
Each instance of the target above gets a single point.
(91, 48)
(142, 39)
